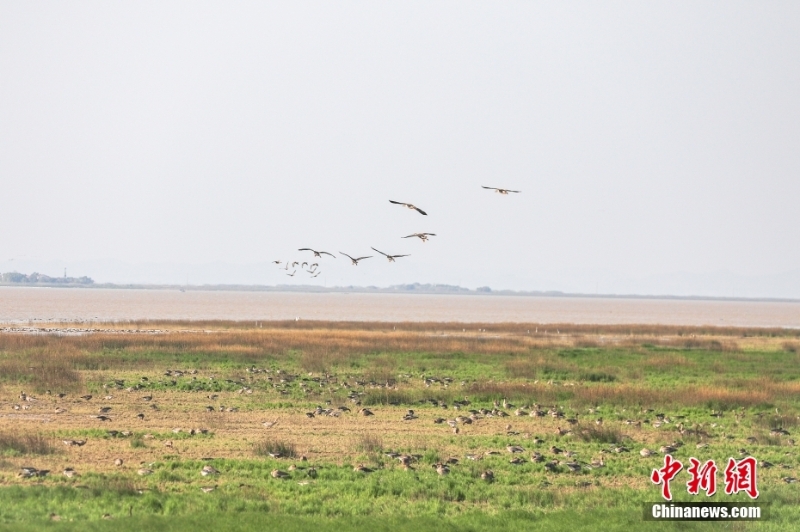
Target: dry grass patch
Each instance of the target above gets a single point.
(275, 448)
(368, 443)
(27, 444)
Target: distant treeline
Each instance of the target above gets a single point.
(39, 278)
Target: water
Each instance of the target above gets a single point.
(22, 304)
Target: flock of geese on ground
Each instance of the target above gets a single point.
(559, 460)
(313, 269)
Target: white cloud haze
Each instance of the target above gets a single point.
(656, 144)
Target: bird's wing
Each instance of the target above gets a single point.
(410, 236)
(515, 191)
(420, 210)
(381, 252)
(326, 253)
(346, 255)
(398, 256)
(362, 258)
(305, 249)
(397, 202)
(490, 188)
(429, 234)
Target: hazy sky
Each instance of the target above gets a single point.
(648, 138)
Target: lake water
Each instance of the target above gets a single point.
(22, 304)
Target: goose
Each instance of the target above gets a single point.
(317, 253)
(292, 274)
(575, 467)
(487, 475)
(118, 462)
(421, 236)
(515, 449)
(503, 191)
(144, 471)
(441, 469)
(304, 264)
(666, 449)
(207, 489)
(645, 453)
(552, 466)
(360, 468)
(516, 460)
(390, 257)
(70, 473)
(102, 418)
(277, 473)
(409, 206)
(316, 274)
(209, 470)
(105, 410)
(354, 261)
(276, 262)
(86, 397)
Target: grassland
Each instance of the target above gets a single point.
(206, 390)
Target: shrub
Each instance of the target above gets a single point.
(274, 446)
(25, 444)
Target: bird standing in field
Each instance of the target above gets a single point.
(355, 261)
(421, 236)
(503, 191)
(390, 257)
(317, 253)
(409, 206)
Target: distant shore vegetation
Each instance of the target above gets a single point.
(39, 278)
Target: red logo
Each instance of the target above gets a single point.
(703, 477)
(741, 476)
(665, 475)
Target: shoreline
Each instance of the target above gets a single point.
(457, 291)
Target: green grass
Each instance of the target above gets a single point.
(755, 389)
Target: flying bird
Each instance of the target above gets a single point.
(409, 206)
(355, 261)
(502, 190)
(292, 274)
(276, 262)
(316, 274)
(317, 253)
(421, 236)
(390, 257)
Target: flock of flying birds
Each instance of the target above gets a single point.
(313, 268)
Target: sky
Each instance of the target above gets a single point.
(656, 145)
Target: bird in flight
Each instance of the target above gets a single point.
(421, 236)
(390, 257)
(292, 274)
(276, 262)
(355, 261)
(409, 206)
(317, 253)
(502, 190)
(319, 272)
